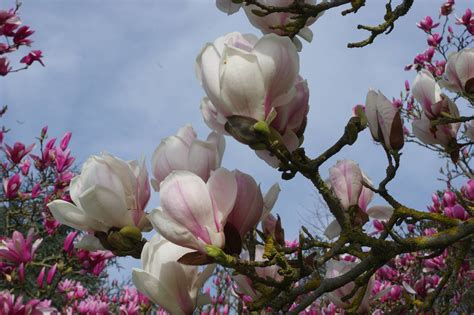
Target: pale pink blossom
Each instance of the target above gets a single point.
(243, 75)
(384, 120)
(185, 152)
(460, 72)
(173, 286)
(109, 192)
(336, 268)
(193, 213)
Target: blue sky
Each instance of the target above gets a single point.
(120, 75)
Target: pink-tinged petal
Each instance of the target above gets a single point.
(333, 230)
(203, 158)
(248, 206)
(408, 288)
(380, 212)
(173, 231)
(105, 206)
(187, 134)
(242, 85)
(207, 70)
(371, 113)
(72, 216)
(366, 194)
(75, 190)
(270, 199)
(290, 140)
(171, 154)
(185, 198)
(346, 182)
(279, 62)
(293, 114)
(464, 65)
(219, 141)
(223, 190)
(155, 291)
(427, 92)
(227, 6)
(213, 118)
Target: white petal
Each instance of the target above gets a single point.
(279, 62)
(171, 154)
(89, 242)
(203, 157)
(380, 212)
(227, 6)
(346, 182)
(222, 187)
(186, 198)
(242, 85)
(155, 291)
(187, 134)
(104, 205)
(270, 199)
(72, 216)
(173, 231)
(333, 230)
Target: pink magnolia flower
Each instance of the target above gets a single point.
(62, 159)
(34, 55)
(9, 304)
(18, 249)
(11, 186)
(336, 268)
(9, 21)
(193, 213)
(468, 189)
(25, 167)
(254, 78)
(444, 135)
(447, 7)
(427, 24)
(456, 211)
(383, 118)
(460, 72)
(109, 192)
(16, 153)
(43, 161)
(185, 152)
(22, 34)
(466, 19)
(248, 207)
(434, 40)
(94, 262)
(345, 181)
(243, 75)
(173, 286)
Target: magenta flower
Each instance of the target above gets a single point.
(427, 24)
(17, 249)
(11, 186)
(34, 55)
(16, 153)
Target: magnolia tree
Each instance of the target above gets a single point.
(218, 248)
